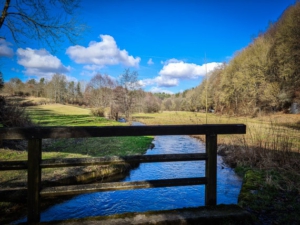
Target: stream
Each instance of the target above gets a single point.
(141, 200)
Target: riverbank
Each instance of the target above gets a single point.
(63, 115)
(267, 158)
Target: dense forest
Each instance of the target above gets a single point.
(262, 77)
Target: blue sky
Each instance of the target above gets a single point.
(167, 42)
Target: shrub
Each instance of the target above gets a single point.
(98, 112)
(12, 115)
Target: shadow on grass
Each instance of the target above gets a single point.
(295, 126)
(100, 146)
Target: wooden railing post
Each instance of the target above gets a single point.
(211, 170)
(34, 180)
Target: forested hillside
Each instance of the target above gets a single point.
(263, 76)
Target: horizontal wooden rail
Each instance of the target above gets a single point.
(109, 186)
(113, 186)
(70, 162)
(13, 165)
(13, 194)
(111, 131)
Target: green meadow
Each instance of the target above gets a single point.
(66, 115)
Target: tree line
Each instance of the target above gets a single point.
(106, 95)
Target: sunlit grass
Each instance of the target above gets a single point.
(270, 132)
(66, 115)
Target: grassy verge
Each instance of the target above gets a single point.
(269, 199)
(268, 157)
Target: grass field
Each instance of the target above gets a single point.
(276, 132)
(268, 157)
(66, 115)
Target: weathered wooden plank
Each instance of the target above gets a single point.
(88, 188)
(13, 165)
(211, 170)
(109, 131)
(34, 180)
(13, 194)
(70, 162)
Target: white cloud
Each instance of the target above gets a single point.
(105, 52)
(92, 67)
(160, 82)
(150, 62)
(40, 62)
(182, 70)
(5, 50)
(70, 78)
(157, 90)
(174, 70)
(173, 60)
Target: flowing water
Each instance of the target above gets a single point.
(116, 202)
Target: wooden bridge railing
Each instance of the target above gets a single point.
(34, 164)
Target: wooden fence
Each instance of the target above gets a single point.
(35, 164)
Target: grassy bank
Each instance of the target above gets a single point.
(65, 115)
(267, 157)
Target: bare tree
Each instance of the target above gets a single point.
(99, 92)
(46, 21)
(126, 94)
(152, 103)
(56, 88)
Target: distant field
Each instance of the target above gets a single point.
(276, 131)
(62, 109)
(66, 115)
(182, 117)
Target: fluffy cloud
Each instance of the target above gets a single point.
(174, 70)
(105, 52)
(160, 82)
(92, 67)
(157, 90)
(40, 62)
(5, 50)
(182, 70)
(150, 62)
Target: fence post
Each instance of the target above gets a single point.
(34, 180)
(211, 170)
